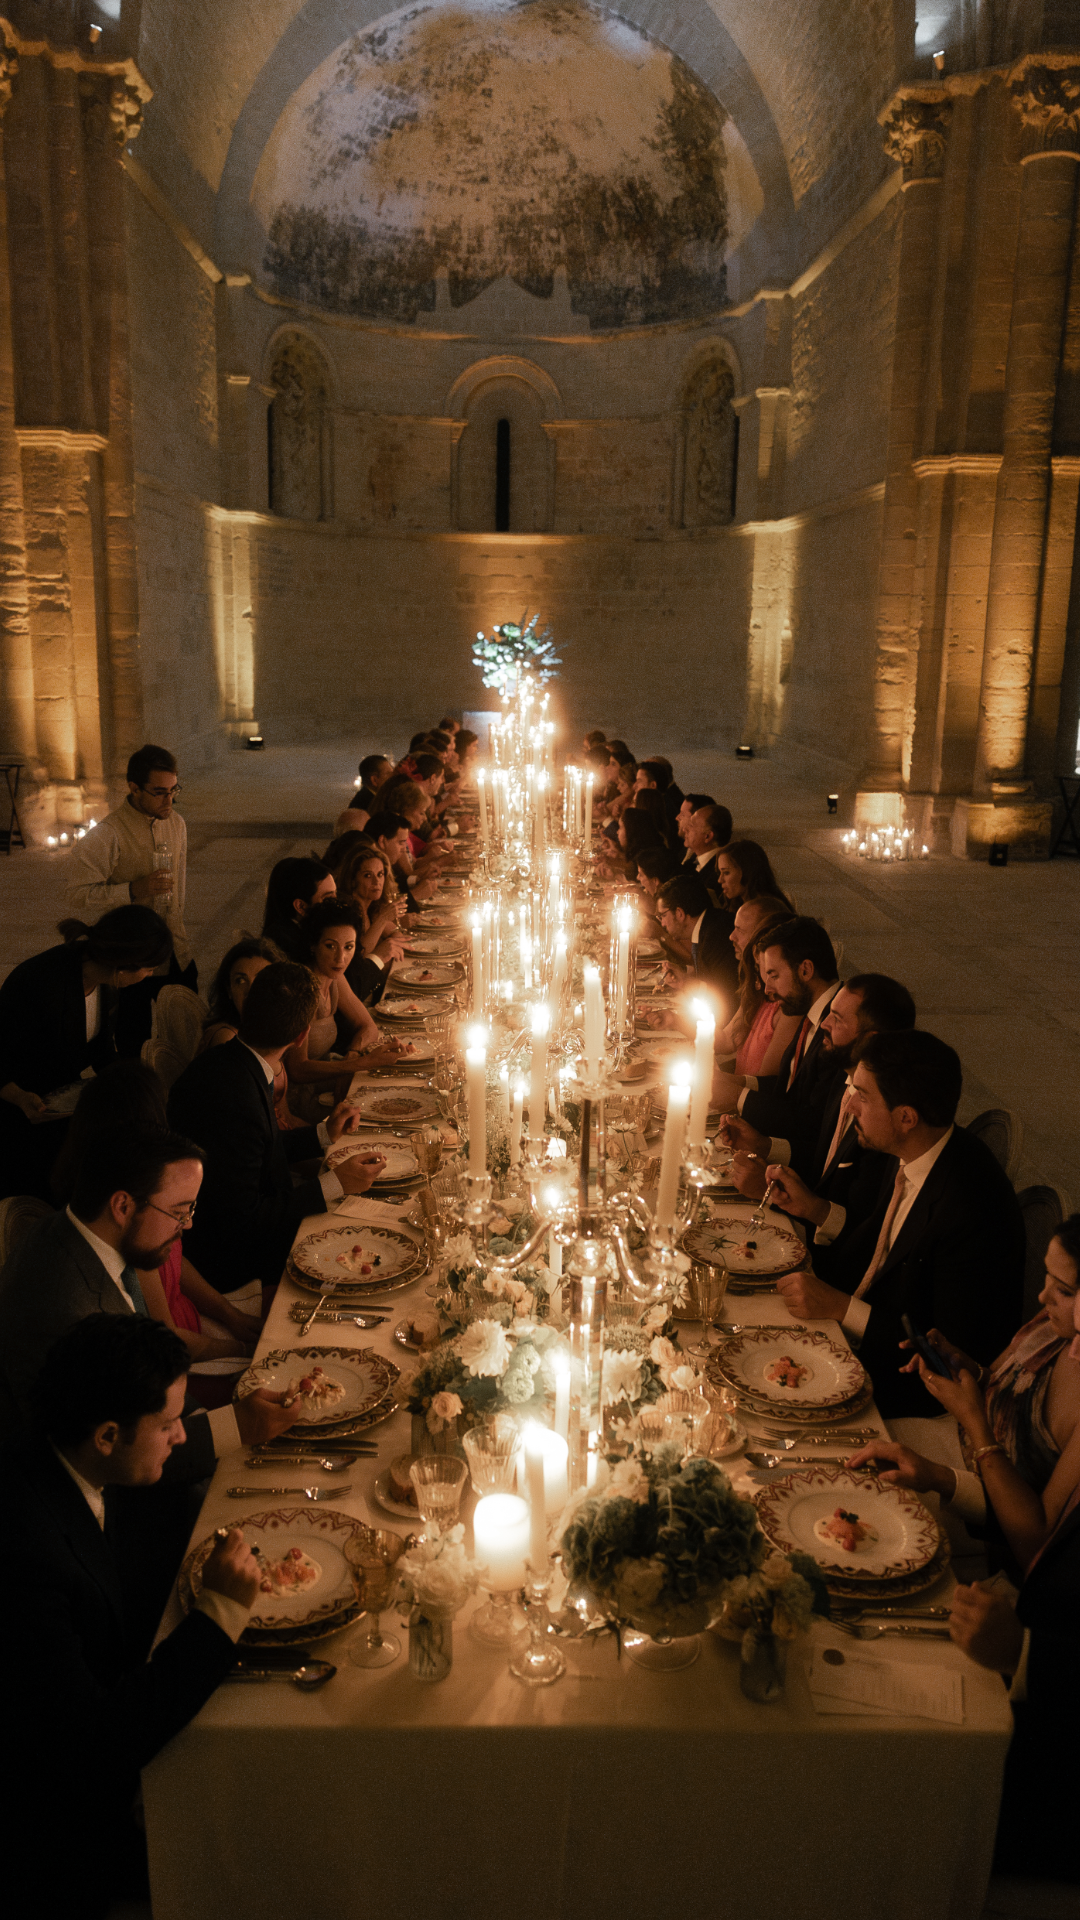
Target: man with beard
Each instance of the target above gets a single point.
(133, 1194)
(785, 1112)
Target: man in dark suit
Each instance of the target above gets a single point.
(701, 932)
(91, 1710)
(780, 1116)
(657, 772)
(249, 1209)
(707, 832)
(945, 1241)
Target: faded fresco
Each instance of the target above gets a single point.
(498, 137)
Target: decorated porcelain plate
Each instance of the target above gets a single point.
(433, 920)
(306, 1582)
(428, 978)
(334, 1384)
(397, 1102)
(426, 1008)
(786, 1367)
(728, 1241)
(851, 1524)
(354, 1255)
(401, 1161)
(649, 948)
(416, 1050)
(444, 943)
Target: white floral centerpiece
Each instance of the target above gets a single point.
(436, 1574)
(522, 1295)
(484, 1370)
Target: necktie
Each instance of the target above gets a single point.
(694, 951)
(882, 1247)
(804, 1032)
(129, 1280)
(840, 1128)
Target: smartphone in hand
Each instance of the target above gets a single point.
(935, 1361)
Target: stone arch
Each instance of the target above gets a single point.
(504, 388)
(708, 438)
(298, 451)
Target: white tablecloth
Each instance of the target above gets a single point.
(617, 1792)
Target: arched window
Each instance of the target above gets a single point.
(297, 425)
(505, 461)
(711, 428)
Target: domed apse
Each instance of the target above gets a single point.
(488, 138)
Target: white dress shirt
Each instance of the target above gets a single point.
(858, 1314)
(223, 1428)
(332, 1188)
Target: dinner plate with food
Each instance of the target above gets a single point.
(730, 1240)
(354, 1255)
(325, 1386)
(410, 1008)
(398, 1103)
(438, 944)
(430, 976)
(786, 1367)
(401, 1162)
(851, 1524)
(305, 1583)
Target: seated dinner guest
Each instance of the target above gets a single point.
(945, 1241)
(92, 1710)
(249, 1209)
(797, 965)
(294, 887)
(327, 944)
(227, 996)
(57, 1021)
(759, 1032)
(706, 831)
(365, 886)
(744, 872)
(375, 770)
(703, 932)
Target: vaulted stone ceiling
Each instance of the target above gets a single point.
(797, 86)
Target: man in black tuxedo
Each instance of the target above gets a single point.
(945, 1241)
(657, 772)
(707, 832)
(781, 1115)
(249, 1209)
(90, 1709)
(700, 931)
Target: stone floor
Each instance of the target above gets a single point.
(992, 955)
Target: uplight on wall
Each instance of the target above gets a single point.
(254, 743)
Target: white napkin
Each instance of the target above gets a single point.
(868, 1682)
(377, 1213)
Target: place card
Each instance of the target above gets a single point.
(377, 1213)
(886, 1686)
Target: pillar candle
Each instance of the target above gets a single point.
(588, 812)
(481, 789)
(622, 963)
(477, 968)
(594, 1022)
(515, 1123)
(534, 1476)
(504, 1094)
(558, 978)
(561, 1365)
(550, 1451)
(541, 1026)
(674, 1136)
(501, 1540)
(703, 1069)
(475, 1062)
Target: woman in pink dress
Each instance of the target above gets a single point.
(758, 1033)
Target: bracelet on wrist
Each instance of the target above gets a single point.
(980, 1453)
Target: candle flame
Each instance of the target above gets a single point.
(682, 1072)
(540, 1019)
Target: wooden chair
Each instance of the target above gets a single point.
(1003, 1133)
(18, 1216)
(1044, 1209)
(179, 1019)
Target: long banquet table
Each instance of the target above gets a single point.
(615, 1792)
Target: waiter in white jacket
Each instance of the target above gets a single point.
(139, 853)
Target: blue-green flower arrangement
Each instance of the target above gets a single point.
(514, 649)
(660, 1544)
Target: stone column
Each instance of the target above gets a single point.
(16, 658)
(1047, 96)
(915, 127)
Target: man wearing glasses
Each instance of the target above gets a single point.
(139, 853)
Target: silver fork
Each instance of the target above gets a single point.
(308, 1493)
(903, 1629)
(757, 1218)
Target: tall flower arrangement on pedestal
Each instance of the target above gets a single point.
(516, 648)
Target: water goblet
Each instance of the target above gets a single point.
(427, 1144)
(708, 1285)
(371, 1555)
(438, 1482)
(493, 1452)
(686, 1415)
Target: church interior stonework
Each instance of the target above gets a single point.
(740, 342)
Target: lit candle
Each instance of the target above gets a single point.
(703, 1069)
(558, 979)
(588, 812)
(549, 1452)
(477, 968)
(541, 1026)
(475, 1063)
(534, 1480)
(504, 1093)
(674, 1135)
(515, 1123)
(622, 963)
(594, 1022)
(561, 1367)
(592, 1463)
(501, 1540)
(481, 788)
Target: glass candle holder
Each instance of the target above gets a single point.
(501, 1537)
(536, 1659)
(493, 1452)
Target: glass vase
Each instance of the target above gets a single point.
(763, 1667)
(431, 1645)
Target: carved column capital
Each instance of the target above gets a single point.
(9, 67)
(1045, 89)
(113, 108)
(915, 131)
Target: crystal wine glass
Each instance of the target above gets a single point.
(438, 1481)
(708, 1287)
(493, 1452)
(427, 1144)
(371, 1554)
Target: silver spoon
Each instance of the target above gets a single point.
(327, 1462)
(314, 1673)
(308, 1493)
(830, 1437)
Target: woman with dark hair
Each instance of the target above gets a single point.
(744, 872)
(365, 883)
(128, 1093)
(465, 745)
(58, 1022)
(327, 943)
(758, 1033)
(232, 984)
(294, 887)
(340, 848)
(650, 801)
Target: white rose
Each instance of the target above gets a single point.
(459, 1251)
(484, 1348)
(655, 1318)
(444, 1409)
(664, 1355)
(622, 1377)
(684, 1379)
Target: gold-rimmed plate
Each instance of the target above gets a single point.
(786, 1368)
(429, 977)
(416, 1010)
(358, 1379)
(311, 1537)
(727, 1240)
(900, 1537)
(354, 1255)
(396, 1103)
(401, 1166)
